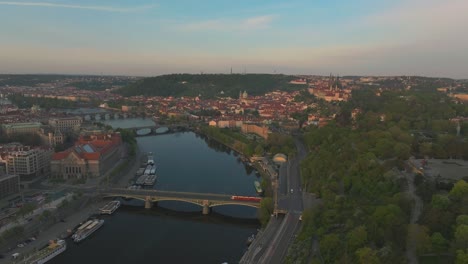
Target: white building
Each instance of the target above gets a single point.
(29, 163)
(66, 124)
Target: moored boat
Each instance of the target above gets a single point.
(258, 187)
(54, 248)
(87, 231)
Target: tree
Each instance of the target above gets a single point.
(462, 220)
(439, 201)
(356, 238)
(402, 151)
(461, 237)
(329, 247)
(259, 150)
(459, 190)
(26, 209)
(266, 209)
(462, 257)
(421, 237)
(367, 255)
(439, 243)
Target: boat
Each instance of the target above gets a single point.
(81, 227)
(54, 248)
(258, 187)
(110, 207)
(141, 180)
(148, 170)
(87, 231)
(150, 159)
(250, 239)
(150, 180)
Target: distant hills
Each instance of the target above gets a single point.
(209, 85)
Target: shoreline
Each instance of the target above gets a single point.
(55, 231)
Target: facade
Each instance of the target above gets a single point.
(21, 128)
(51, 138)
(66, 124)
(9, 184)
(91, 156)
(258, 130)
(26, 162)
(55, 138)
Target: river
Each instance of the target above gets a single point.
(177, 232)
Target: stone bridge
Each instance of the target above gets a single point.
(205, 200)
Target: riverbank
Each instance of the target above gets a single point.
(55, 231)
(232, 147)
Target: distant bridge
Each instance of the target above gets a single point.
(153, 128)
(205, 200)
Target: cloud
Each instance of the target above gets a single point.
(251, 23)
(87, 7)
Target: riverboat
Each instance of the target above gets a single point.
(110, 207)
(258, 187)
(88, 230)
(54, 248)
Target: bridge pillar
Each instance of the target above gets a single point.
(148, 202)
(206, 207)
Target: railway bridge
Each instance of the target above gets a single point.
(205, 200)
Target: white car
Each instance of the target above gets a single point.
(291, 190)
(20, 245)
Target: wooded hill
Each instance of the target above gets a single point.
(209, 85)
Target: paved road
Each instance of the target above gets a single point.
(272, 244)
(291, 224)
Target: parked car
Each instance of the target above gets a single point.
(20, 245)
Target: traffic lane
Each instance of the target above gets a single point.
(283, 174)
(285, 240)
(266, 240)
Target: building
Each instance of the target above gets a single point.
(258, 130)
(55, 138)
(21, 128)
(9, 184)
(26, 162)
(91, 156)
(66, 124)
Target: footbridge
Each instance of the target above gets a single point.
(205, 200)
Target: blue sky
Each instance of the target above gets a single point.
(141, 37)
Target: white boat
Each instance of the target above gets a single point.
(54, 248)
(88, 230)
(110, 207)
(81, 227)
(150, 158)
(141, 180)
(150, 180)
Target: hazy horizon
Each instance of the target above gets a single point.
(149, 38)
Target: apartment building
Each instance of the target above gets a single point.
(26, 162)
(9, 184)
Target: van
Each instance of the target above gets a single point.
(15, 255)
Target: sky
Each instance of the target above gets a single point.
(147, 38)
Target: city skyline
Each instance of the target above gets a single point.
(145, 38)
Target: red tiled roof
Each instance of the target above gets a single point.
(101, 144)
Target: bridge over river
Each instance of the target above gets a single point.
(205, 200)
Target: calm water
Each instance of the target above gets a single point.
(129, 122)
(175, 232)
(80, 111)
